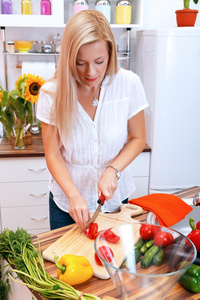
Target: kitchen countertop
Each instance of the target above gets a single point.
(100, 287)
(34, 150)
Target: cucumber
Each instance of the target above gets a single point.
(139, 244)
(137, 255)
(146, 246)
(143, 249)
(148, 256)
(149, 243)
(158, 257)
(132, 259)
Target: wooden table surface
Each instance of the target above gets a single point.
(34, 150)
(100, 287)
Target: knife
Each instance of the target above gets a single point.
(100, 201)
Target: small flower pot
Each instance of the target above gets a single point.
(186, 17)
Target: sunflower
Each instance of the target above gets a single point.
(33, 85)
(21, 85)
(0, 96)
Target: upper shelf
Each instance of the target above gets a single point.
(61, 12)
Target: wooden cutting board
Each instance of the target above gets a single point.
(77, 243)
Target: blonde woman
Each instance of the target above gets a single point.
(86, 111)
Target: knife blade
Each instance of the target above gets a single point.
(100, 201)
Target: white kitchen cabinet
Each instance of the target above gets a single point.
(61, 12)
(140, 172)
(24, 194)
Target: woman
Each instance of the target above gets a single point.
(87, 111)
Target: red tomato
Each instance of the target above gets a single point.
(147, 231)
(92, 230)
(106, 253)
(198, 225)
(163, 238)
(110, 236)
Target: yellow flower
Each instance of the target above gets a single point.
(21, 85)
(0, 97)
(33, 85)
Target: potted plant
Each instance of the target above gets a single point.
(186, 16)
(15, 105)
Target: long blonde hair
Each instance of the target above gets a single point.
(85, 27)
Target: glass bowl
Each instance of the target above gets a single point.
(23, 46)
(141, 280)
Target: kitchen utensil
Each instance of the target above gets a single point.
(74, 242)
(23, 46)
(48, 47)
(152, 282)
(100, 201)
(196, 199)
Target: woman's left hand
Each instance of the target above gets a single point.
(108, 184)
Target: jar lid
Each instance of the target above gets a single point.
(123, 3)
(11, 43)
(102, 2)
(80, 2)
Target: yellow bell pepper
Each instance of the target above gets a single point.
(73, 269)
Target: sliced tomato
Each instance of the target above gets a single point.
(163, 239)
(93, 229)
(113, 239)
(97, 259)
(96, 234)
(110, 236)
(106, 253)
(108, 233)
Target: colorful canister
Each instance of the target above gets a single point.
(79, 5)
(104, 7)
(6, 7)
(123, 12)
(45, 7)
(26, 7)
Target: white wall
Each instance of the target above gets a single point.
(156, 14)
(161, 13)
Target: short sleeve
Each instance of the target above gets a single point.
(137, 96)
(44, 105)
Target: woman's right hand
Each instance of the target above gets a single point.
(78, 210)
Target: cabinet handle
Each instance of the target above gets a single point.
(37, 170)
(37, 195)
(38, 219)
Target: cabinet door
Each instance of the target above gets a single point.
(24, 193)
(32, 217)
(140, 166)
(23, 169)
(142, 185)
(140, 172)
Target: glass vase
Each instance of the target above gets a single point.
(19, 134)
(35, 128)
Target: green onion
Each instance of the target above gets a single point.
(18, 250)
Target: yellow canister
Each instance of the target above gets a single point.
(123, 12)
(26, 7)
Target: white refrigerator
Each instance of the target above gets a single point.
(168, 63)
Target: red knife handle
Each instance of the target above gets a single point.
(101, 199)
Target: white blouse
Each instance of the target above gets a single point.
(95, 144)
